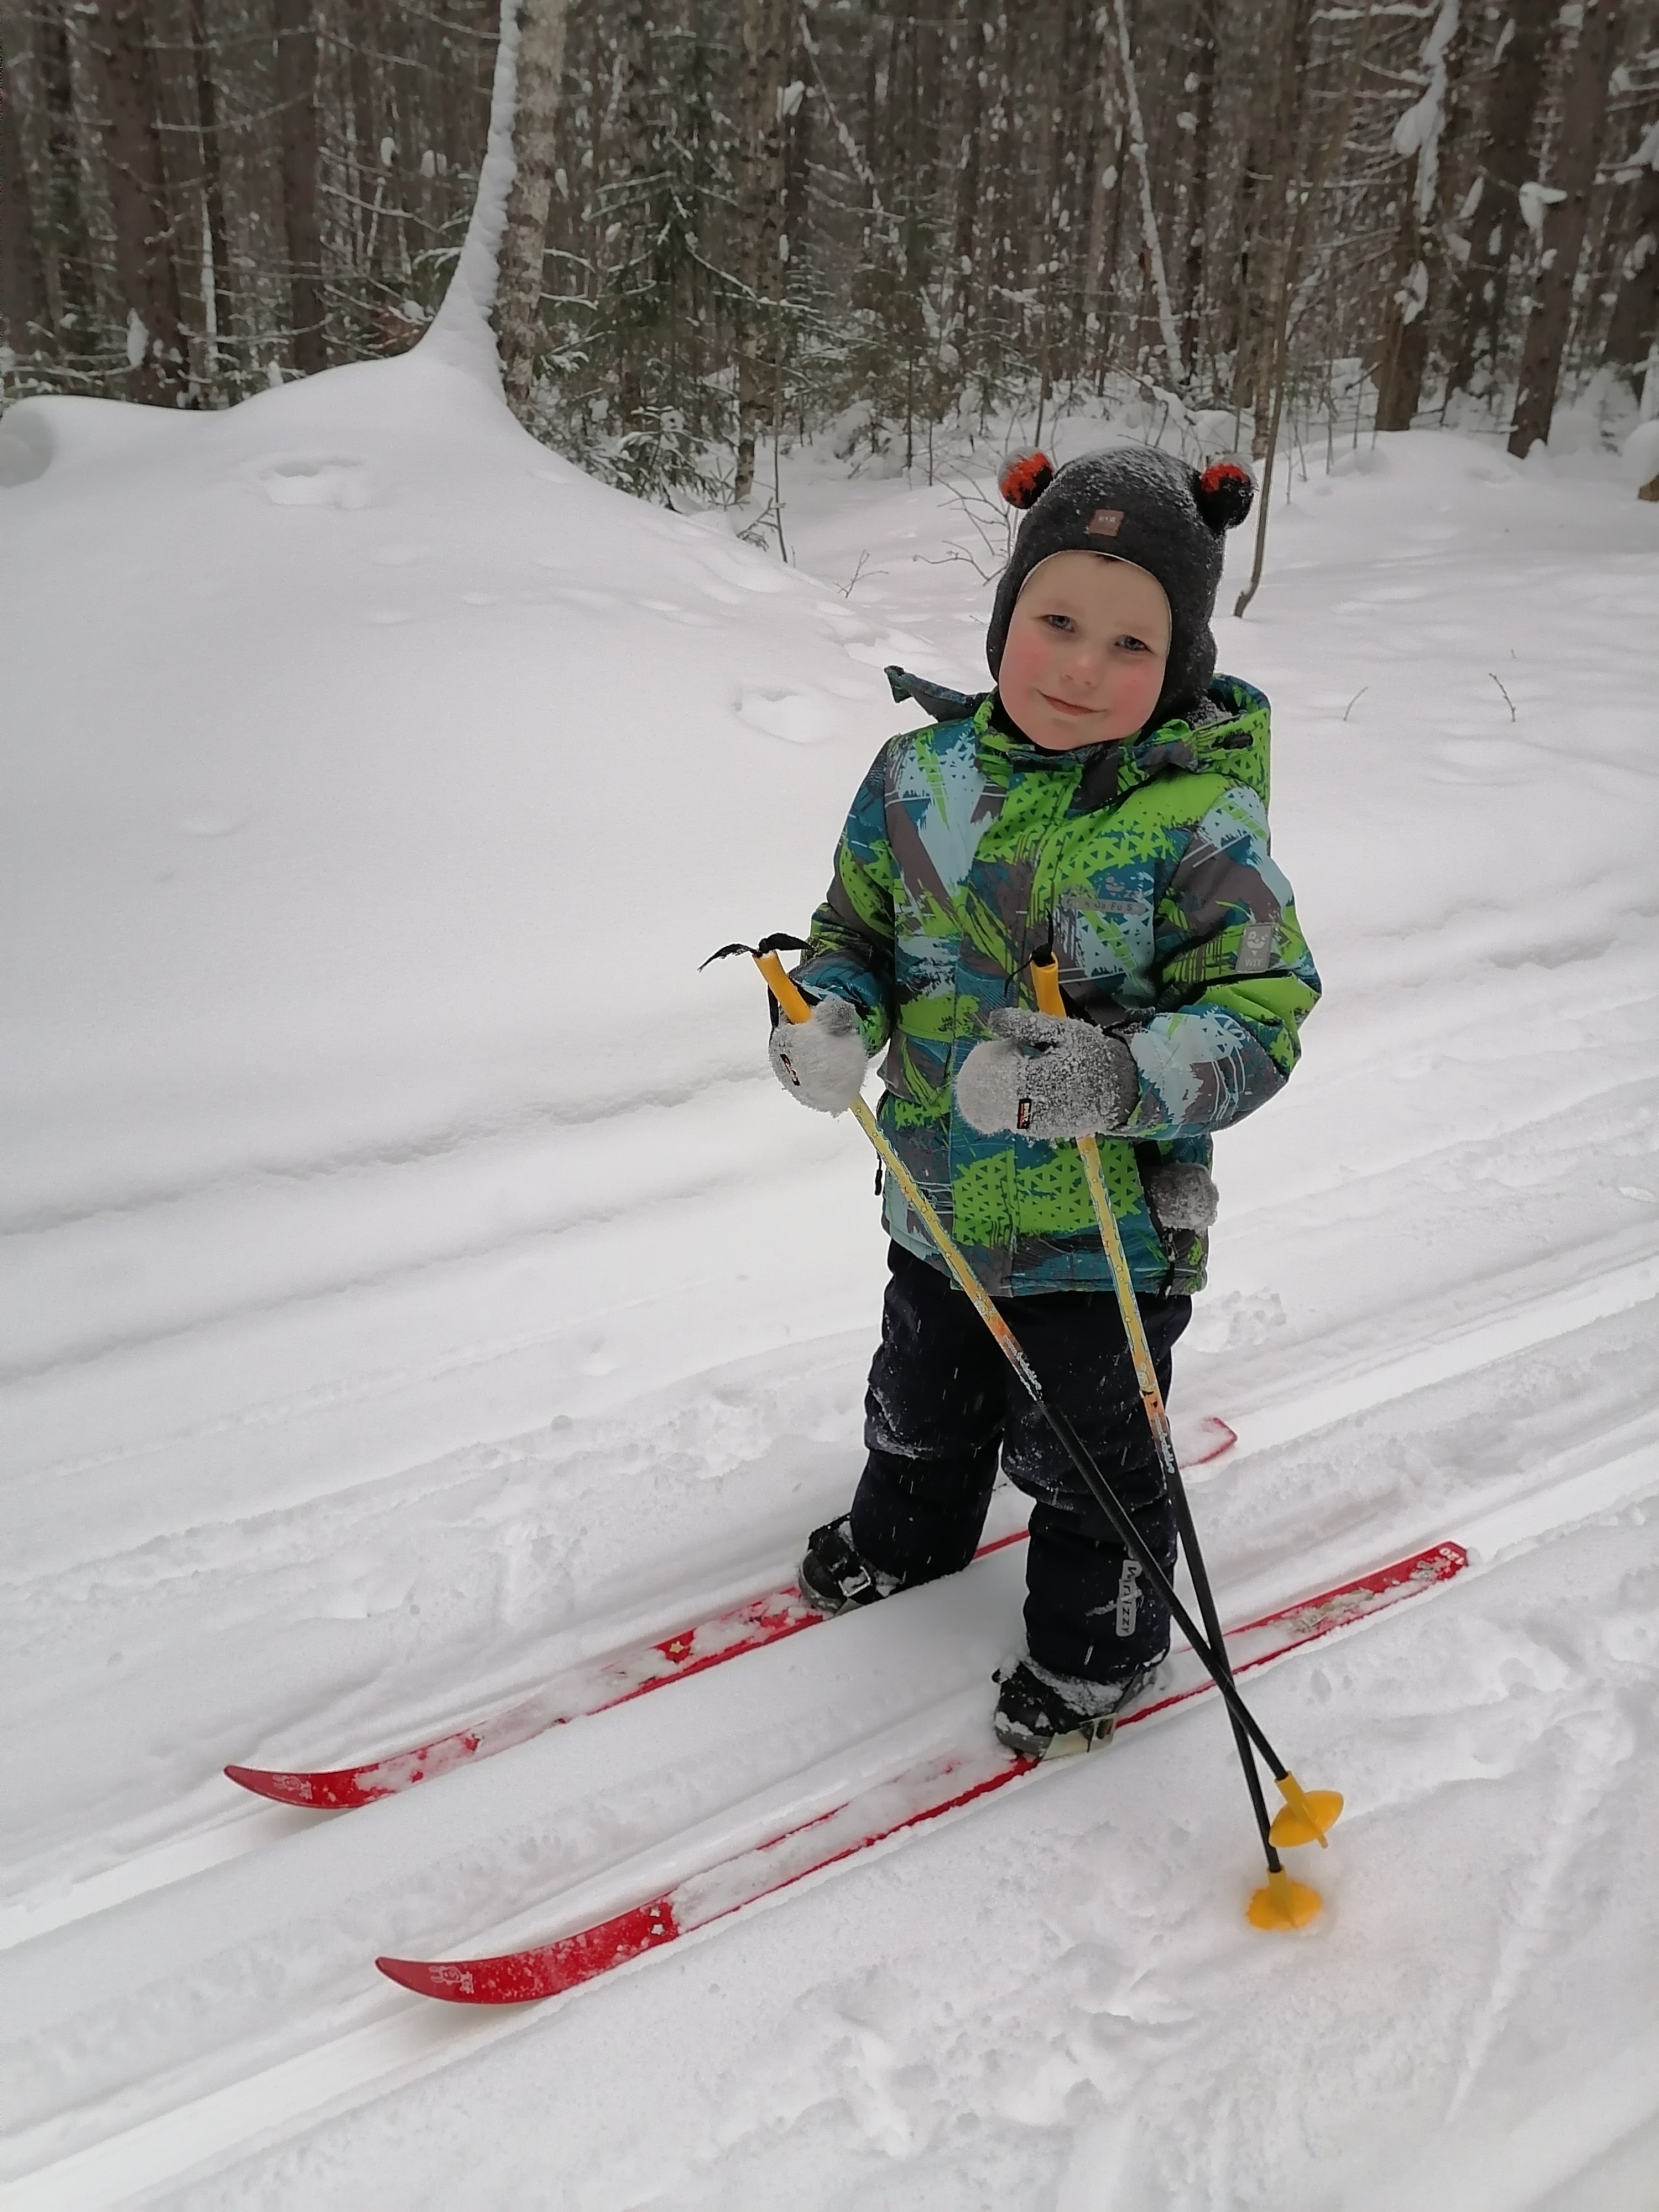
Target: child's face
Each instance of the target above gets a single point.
(1086, 648)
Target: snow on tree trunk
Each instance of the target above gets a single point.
(534, 66)
(1559, 212)
(1490, 212)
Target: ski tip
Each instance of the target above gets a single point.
(312, 1793)
(280, 1788)
(430, 1978)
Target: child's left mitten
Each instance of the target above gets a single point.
(1039, 1076)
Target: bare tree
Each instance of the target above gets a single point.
(1275, 210)
(1491, 211)
(1564, 207)
(296, 92)
(1150, 237)
(1633, 324)
(1201, 83)
(23, 317)
(1419, 253)
(117, 48)
(760, 221)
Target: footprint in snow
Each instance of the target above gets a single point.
(314, 480)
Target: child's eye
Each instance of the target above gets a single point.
(1134, 645)
(1058, 622)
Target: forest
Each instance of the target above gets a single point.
(893, 228)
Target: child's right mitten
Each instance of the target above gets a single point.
(822, 1061)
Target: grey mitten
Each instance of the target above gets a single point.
(822, 1061)
(1181, 1195)
(1042, 1076)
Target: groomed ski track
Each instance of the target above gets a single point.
(228, 1830)
(365, 2043)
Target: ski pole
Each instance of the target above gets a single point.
(1306, 1814)
(1292, 1905)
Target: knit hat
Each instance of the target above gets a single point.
(1133, 503)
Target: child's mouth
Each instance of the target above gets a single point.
(1065, 706)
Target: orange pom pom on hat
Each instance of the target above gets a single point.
(1132, 503)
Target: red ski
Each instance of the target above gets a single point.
(750, 1626)
(926, 1793)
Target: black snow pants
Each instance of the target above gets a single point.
(942, 1401)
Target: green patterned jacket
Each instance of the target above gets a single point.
(1145, 866)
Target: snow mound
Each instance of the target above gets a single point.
(442, 864)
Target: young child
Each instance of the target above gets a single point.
(1107, 802)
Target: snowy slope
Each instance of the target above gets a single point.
(415, 1283)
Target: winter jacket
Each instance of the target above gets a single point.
(1144, 864)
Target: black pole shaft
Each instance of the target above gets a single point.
(1200, 1574)
(1106, 1498)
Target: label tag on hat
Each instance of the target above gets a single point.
(1106, 522)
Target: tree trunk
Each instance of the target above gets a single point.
(23, 315)
(1420, 251)
(369, 187)
(64, 249)
(1276, 215)
(1634, 322)
(759, 213)
(1493, 207)
(1105, 201)
(213, 184)
(524, 240)
(118, 51)
(797, 157)
(965, 206)
(1151, 244)
(1584, 123)
(1206, 43)
(296, 96)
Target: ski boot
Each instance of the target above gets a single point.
(1044, 1716)
(833, 1578)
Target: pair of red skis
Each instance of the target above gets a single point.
(924, 1793)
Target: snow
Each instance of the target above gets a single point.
(416, 1287)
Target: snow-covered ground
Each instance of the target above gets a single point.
(415, 1285)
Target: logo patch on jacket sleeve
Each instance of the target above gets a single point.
(1255, 948)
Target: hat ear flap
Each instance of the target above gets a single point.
(1225, 494)
(1024, 477)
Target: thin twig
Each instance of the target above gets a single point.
(1508, 701)
(1355, 701)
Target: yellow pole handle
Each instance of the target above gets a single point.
(782, 987)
